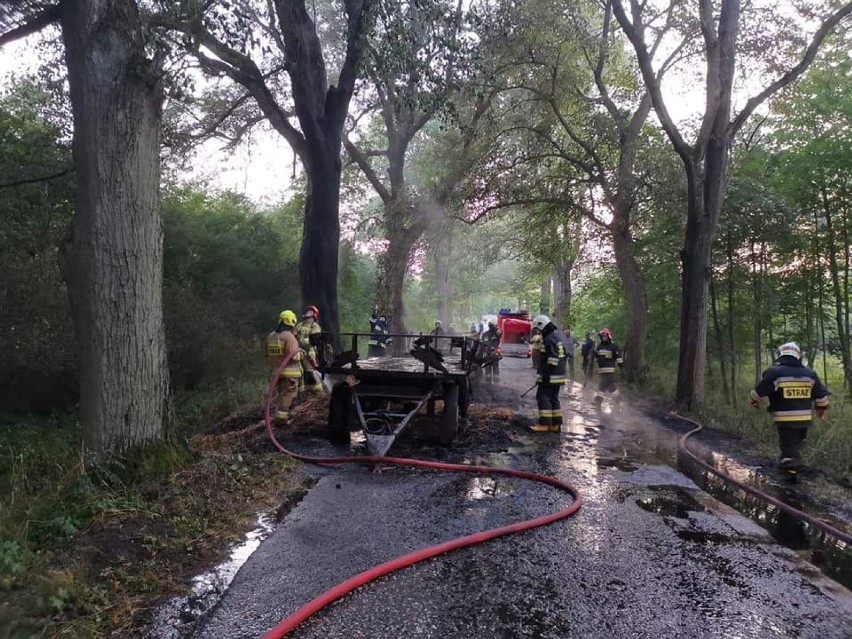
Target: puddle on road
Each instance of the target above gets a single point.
(833, 556)
(670, 502)
(487, 488)
(176, 618)
(630, 442)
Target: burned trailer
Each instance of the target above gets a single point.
(381, 395)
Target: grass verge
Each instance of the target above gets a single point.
(829, 443)
(89, 552)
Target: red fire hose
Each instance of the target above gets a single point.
(376, 572)
(780, 505)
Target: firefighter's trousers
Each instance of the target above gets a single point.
(606, 386)
(791, 441)
(549, 408)
(288, 388)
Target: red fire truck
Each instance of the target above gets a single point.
(516, 327)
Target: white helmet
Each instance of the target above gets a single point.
(541, 321)
(790, 348)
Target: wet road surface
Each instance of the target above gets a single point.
(648, 555)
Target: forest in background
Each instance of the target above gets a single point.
(493, 153)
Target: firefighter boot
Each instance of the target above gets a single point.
(540, 428)
(790, 468)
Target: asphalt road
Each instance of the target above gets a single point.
(648, 555)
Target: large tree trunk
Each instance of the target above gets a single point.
(321, 108)
(393, 265)
(443, 254)
(562, 292)
(695, 287)
(318, 259)
(637, 305)
(115, 260)
(546, 288)
(706, 193)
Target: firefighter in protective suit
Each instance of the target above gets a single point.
(794, 390)
(309, 325)
(378, 343)
(279, 344)
(550, 378)
(608, 357)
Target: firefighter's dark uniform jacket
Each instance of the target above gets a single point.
(607, 356)
(551, 359)
(492, 337)
(378, 334)
(793, 389)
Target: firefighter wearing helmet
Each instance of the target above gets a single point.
(550, 378)
(280, 344)
(795, 392)
(607, 357)
(309, 325)
(492, 338)
(377, 345)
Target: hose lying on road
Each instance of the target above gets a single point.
(819, 524)
(376, 572)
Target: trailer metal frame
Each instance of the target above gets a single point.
(383, 394)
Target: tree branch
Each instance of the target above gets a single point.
(48, 16)
(634, 34)
(795, 72)
(43, 178)
(242, 70)
(364, 164)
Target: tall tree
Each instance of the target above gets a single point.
(705, 161)
(253, 42)
(583, 123)
(115, 257)
(417, 58)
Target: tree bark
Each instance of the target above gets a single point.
(717, 329)
(562, 291)
(115, 259)
(694, 291)
(443, 272)
(321, 109)
(637, 305)
(318, 258)
(392, 268)
(546, 288)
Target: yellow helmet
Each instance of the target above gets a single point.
(288, 318)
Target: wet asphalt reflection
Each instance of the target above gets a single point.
(648, 555)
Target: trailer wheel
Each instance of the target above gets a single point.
(340, 411)
(450, 420)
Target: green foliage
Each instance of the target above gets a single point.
(36, 335)
(228, 271)
(11, 557)
(355, 285)
(600, 303)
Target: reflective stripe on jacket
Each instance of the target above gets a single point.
(303, 332)
(279, 345)
(793, 390)
(551, 359)
(607, 356)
